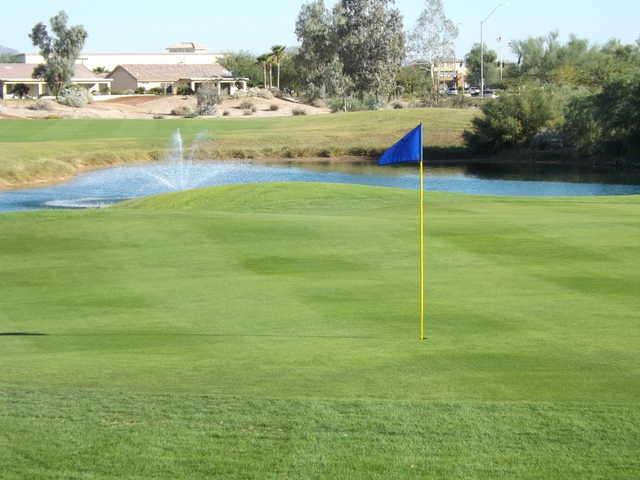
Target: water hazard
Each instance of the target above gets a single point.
(103, 188)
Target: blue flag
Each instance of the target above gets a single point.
(407, 150)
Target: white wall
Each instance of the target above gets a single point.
(111, 60)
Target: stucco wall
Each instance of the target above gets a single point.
(122, 81)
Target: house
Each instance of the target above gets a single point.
(187, 53)
(12, 74)
(169, 78)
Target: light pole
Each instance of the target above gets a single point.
(482, 45)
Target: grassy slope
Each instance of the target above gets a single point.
(36, 150)
(270, 332)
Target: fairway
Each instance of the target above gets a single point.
(270, 331)
(37, 151)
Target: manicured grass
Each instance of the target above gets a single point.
(269, 331)
(42, 150)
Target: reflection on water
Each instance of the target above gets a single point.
(106, 187)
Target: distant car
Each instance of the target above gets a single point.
(474, 91)
(452, 91)
(488, 93)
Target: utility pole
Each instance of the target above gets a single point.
(482, 45)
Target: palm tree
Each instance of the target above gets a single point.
(264, 60)
(277, 54)
(270, 61)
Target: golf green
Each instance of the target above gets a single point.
(270, 331)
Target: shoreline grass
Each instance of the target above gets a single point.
(39, 151)
(269, 331)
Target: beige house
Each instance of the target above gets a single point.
(169, 78)
(12, 74)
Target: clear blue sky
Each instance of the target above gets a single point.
(255, 25)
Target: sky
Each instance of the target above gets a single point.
(255, 25)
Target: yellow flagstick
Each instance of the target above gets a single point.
(422, 322)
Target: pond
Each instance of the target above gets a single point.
(102, 188)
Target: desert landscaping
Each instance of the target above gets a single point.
(155, 106)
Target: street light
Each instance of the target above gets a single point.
(504, 4)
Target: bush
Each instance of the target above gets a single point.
(76, 97)
(20, 90)
(226, 113)
(510, 121)
(158, 117)
(354, 104)
(318, 103)
(297, 111)
(397, 105)
(184, 90)
(140, 91)
(246, 113)
(246, 105)
(274, 107)
(155, 91)
(208, 99)
(41, 105)
(182, 111)
(266, 94)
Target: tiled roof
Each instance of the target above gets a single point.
(173, 73)
(24, 71)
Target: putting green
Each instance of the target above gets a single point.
(270, 331)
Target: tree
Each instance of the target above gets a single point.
(59, 51)
(243, 64)
(473, 61)
(277, 54)
(432, 38)
(263, 60)
(370, 43)
(20, 90)
(317, 52)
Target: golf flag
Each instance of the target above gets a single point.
(409, 149)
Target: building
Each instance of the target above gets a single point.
(187, 53)
(168, 78)
(451, 74)
(12, 74)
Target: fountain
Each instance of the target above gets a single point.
(177, 172)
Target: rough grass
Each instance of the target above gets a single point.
(269, 331)
(43, 150)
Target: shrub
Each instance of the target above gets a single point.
(226, 113)
(266, 94)
(208, 99)
(182, 111)
(274, 107)
(155, 91)
(297, 111)
(510, 121)
(41, 105)
(397, 105)
(318, 103)
(158, 117)
(246, 105)
(20, 90)
(140, 91)
(184, 90)
(74, 97)
(247, 112)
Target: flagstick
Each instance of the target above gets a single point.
(422, 329)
